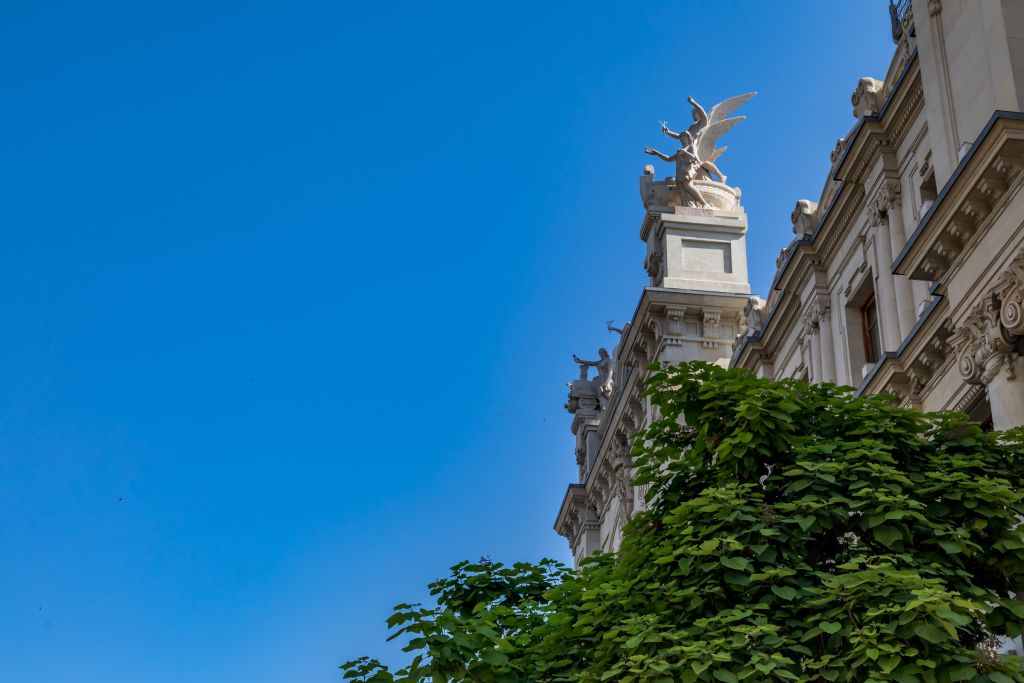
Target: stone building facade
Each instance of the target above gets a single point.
(905, 276)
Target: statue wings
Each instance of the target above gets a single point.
(719, 122)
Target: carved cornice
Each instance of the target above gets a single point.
(853, 157)
(969, 398)
(967, 205)
(839, 220)
(883, 131)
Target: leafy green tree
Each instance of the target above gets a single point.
(794, 532)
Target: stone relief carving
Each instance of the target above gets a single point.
(805, 218)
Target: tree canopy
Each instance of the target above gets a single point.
(793, 532)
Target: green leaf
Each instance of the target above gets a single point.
(494, 657)
(931, 633)
(737, 563)
(882, 537)
(887, 535)
(784, 592)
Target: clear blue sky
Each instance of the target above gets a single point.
(288, 292)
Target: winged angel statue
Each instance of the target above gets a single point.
(695, 158)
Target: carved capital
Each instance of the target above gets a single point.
(984, 347)
(1009, 288)
(934, 7)
(888, 197)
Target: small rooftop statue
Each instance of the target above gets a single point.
(605, 373)
(698, 150)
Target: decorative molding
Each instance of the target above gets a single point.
(675, 321)
(968, 203)
(973, 393)
(711, 328)
(837, 151)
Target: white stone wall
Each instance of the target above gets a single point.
(930, 167)
(922, 207)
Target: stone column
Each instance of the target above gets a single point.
(890, 210)
(1006, 395)
(590, 531)
(1006, 390)
(885, 292)
(814, 346)
(823, 318)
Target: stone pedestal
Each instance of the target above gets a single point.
(700, 249)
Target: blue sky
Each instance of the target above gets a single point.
(288, 292)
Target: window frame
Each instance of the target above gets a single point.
(871, 330)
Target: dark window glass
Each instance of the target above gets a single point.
(872, 337)
(981, 412)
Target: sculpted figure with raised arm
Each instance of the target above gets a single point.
(621, 331)
(604, 373)
(698, 150)
(687, 164)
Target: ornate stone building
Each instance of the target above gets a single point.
(905, 276)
